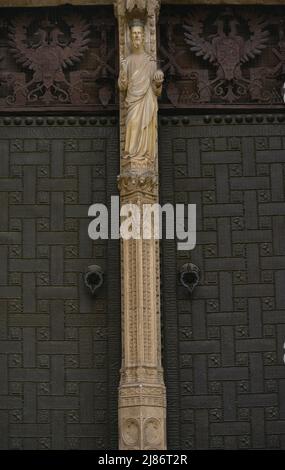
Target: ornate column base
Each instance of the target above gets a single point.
(142, 417)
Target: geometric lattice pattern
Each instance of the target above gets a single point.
(59, 347)
(224, 346)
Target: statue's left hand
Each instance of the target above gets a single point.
(158, 77)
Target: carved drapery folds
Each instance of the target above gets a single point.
(126, 11)
(140, 82)
(58, 59)
(229, 56)
(142, 402)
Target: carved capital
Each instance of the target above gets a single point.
(134, 183)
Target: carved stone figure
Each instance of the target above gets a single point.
(142, 84)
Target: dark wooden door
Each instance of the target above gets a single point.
(224, 345)
(59, 346)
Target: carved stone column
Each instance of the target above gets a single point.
(142, 400)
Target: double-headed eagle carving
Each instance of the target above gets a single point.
(47, 52)
(227, 49)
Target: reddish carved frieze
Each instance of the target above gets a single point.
(58, 58)
(230, 56)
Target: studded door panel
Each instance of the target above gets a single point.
(59, 346)
(224, 345)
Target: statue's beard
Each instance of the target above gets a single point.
(137, 43)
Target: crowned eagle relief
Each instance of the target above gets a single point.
(47, 48)
(234, 42)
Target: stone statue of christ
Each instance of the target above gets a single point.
(142, 82)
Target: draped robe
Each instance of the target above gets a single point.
(141, 105)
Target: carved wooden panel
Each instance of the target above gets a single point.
(224, 346)
(59, 346)
(222, 56)
(58, 58)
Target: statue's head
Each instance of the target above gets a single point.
(137, 33)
